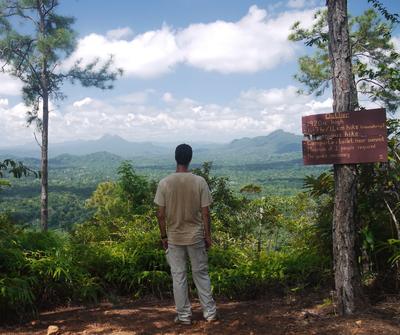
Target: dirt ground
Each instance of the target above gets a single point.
(279, 315)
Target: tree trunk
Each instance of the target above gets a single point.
(44, 196)
(347, 276)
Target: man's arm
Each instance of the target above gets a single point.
(205, 213)
(162, 225)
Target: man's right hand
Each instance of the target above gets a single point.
(164, 242)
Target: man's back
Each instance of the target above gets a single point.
(183, 194)
(185, 226)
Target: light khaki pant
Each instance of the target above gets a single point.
(177, 259)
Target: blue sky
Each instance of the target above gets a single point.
(208, 71)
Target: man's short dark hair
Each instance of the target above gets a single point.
(183, 154)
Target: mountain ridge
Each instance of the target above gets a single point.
(278, 142)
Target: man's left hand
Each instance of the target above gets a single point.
(208, 242)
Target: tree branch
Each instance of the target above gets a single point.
(396, 222)
(30, 65)
(51, 7)
(38, 143)
(371, 82)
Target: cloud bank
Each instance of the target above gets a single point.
(164, 117)
(258, 41)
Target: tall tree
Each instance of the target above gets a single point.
(34, 54)
(347, 277)
(353, 55)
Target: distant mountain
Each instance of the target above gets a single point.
(114, 148)
(97, 159)
(110, 143)
(277, 142)
(276, 146)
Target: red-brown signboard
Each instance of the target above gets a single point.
(345, 138)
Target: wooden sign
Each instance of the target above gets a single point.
(345, 138)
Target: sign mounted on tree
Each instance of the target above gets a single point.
(345, 138)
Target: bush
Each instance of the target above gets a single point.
(16, 295)
(277, 270)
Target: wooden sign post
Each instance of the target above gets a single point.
(345, 138)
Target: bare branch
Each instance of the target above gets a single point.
(396, 222)
(371, 82)
(34, 134)
(397, 156)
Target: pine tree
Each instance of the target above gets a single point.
(354, 55)
(34, 54)
(347, 277)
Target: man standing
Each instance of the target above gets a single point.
(184, 219)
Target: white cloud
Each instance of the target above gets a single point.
(256, 42)
(147, 55)
(319, 107)
(168, 97)
(254, 112)
(120, 33)
(136, 117)
(271, 97)
(9, 85)
(3, 102)
(281, 108)
(13, 128)
(137, 98)
(83, 102)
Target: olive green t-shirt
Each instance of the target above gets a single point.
(183, 194)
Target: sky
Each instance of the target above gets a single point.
(194, 71)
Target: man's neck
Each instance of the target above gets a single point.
(182, 168)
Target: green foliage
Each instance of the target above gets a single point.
(276, 270)
(127, 259)
(16, 294)
(105, 201)
(376, 64)
(379, 205)
(394, 245)
(16, 169)
(37, 269)
(73, 179)
(321, 189)
(129, 196)
(320, 185)
(225, 202)
(251, 189)
(377, 215)
(268, 243)
(394, 18)
(135, 188)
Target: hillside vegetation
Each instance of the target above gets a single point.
(274, 162)
(108, 245)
